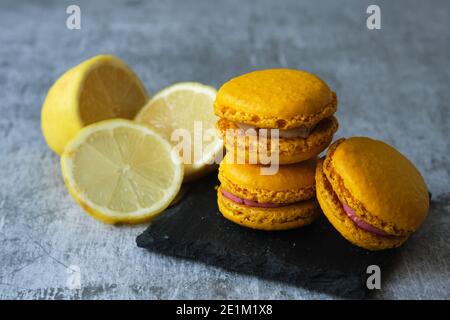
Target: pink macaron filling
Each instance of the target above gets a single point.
(250, 203)
(361, 223)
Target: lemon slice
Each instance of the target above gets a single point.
(186, 105)
(121, 172)
(100, 88)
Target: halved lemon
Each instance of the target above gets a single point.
(121, 172)
(186, 109)
(100, 88)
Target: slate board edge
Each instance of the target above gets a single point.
(206, 255)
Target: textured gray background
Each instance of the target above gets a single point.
(392, 84)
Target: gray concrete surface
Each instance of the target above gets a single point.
(393, 84)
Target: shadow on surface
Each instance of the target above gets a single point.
(315, 257)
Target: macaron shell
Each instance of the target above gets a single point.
(290, 183)
(276, 98)
(333, 210)
(379, 183)
(291, 150)
(293, 176)
(269, 219)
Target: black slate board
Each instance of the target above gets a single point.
(315, 257)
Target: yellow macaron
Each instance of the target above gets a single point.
(296, 102)
(372, 194)
(284, 200)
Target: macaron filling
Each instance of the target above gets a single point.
(362, 224)
(299, 132)
(250, 203)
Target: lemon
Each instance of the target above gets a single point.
(121, 172)
(186, 106)
(100, 88)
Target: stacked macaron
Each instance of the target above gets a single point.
(371, 194)
(297, 103)
(281, 201)
(301, 106)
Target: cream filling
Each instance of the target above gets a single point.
(299, 132)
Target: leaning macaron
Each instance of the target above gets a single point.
(372, 194)
(284, 200)
(296, 102)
